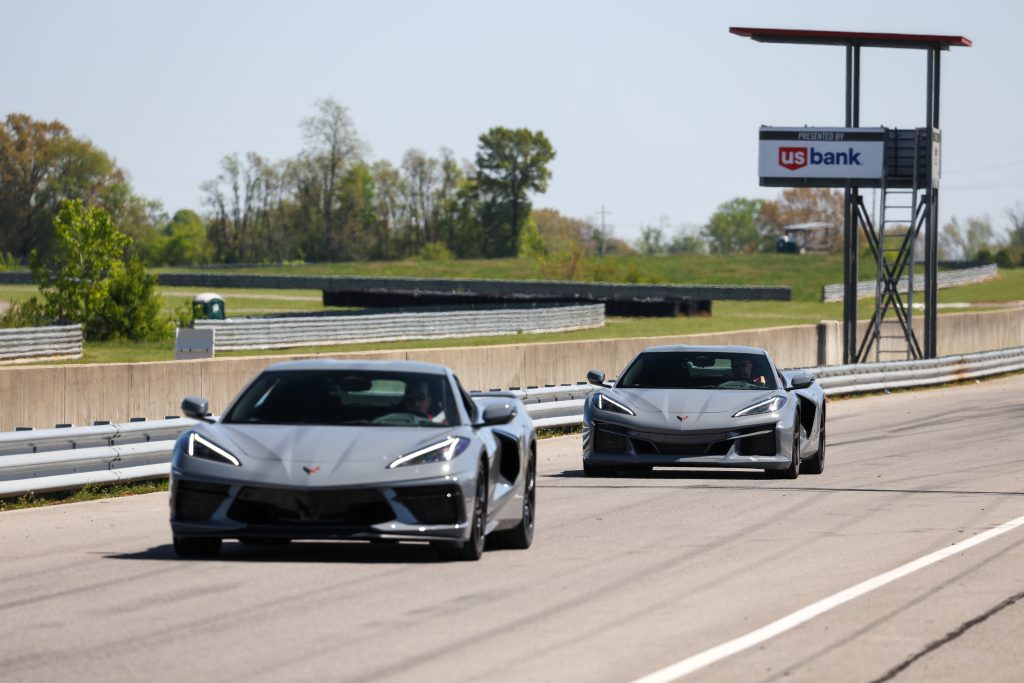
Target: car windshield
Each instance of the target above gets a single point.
(346, 397)
(698, 370)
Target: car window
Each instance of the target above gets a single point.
(346, 397)
(721, 370)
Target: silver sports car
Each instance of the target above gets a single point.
(359, 450)
(704, 406)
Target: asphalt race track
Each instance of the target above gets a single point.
(627, 575)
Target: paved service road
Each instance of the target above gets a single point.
(627, 575)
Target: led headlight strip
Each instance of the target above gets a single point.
(198, 447)
(438, 452)
(769, 405)
(604, 402)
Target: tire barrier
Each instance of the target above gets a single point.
(56, 342)
(325, 330)
(945, 279)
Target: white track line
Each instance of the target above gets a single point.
(790, 621)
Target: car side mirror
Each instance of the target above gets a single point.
(596, 377)
(801, 381)
(498, 414)
(196, 407)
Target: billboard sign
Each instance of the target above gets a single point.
(807, 156)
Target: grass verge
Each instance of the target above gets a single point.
(92, 492)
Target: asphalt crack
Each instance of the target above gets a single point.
(948, 638)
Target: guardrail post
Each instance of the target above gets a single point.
(830, 350)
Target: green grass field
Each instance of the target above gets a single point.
(805, 275)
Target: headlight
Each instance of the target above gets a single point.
(603, 402)
(198, 447)
(439, 452)
(769, 405)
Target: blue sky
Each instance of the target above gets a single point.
(653, 107)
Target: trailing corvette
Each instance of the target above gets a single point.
(704, 406)
(356, 450)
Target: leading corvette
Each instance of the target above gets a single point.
(704, 406)
(357, 450)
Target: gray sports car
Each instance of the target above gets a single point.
(358, 450)
(704, 406)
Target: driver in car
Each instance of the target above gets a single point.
(417, 400)
(743, 369)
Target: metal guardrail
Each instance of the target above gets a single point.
(294, 331)
(947, 278)
(62, 459)
(23, 344)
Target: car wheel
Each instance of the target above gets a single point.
(470, 550)
(520, 537)
(597, 470)
(816, 465)
(793, 471)
(196, 547)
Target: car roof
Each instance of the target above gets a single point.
(331, 364)
(704, 349)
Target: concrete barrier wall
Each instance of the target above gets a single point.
(43, 396)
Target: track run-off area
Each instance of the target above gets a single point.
(894, 564)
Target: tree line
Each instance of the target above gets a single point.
(331, 202)
(327, 203)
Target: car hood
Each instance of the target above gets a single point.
(324, 446)
(672, 402)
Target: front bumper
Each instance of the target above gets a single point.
(424, 510)
(748, 446)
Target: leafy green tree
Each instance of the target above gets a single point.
(86, 280)
(332, 148)
(185, 241)
(42, 164)
(510, 164)
(686, 242)
(736, 227)
(651, 241)
(531, 244)
(974, 241)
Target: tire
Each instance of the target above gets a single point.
(816, 465)
(793, 471)
(597, 470)
(197, 548)
(470, 550)
(520, 537)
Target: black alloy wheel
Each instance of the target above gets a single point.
(471, 549)
(816, 465)
(793, 471)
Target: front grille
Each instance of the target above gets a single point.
(705, 442)
(193, 501)
(336, 507)
(433, 504)
(609, 442)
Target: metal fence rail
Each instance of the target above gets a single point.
(294, 331)
(22, 344)
(947, 278)
(62, 459)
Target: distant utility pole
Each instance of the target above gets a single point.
(604, 232)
